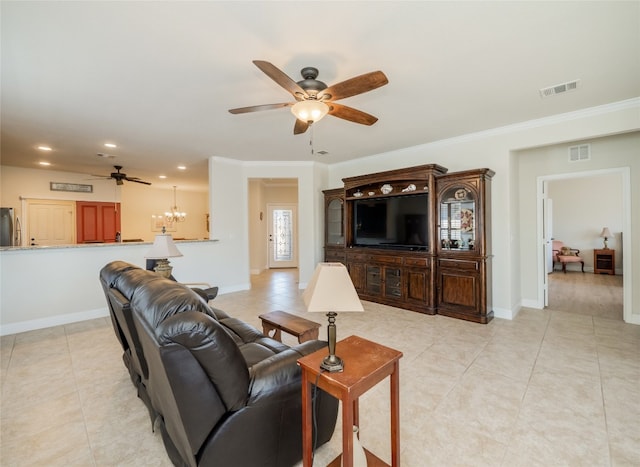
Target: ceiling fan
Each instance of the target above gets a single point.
(119, 177)
(315, 99)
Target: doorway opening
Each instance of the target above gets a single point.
(273, 224)
(548, 286)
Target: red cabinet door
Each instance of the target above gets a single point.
(97, 222)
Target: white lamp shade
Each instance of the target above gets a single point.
(606, 233)
(310, 110)
(163, 247)
(331, 289)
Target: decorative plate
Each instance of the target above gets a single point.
(466, 220)
(460, 194)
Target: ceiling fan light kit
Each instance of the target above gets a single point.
(310, 111)
(315, 99)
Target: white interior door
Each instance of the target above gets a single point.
(283, 235)
(51, 222)
(547, 215)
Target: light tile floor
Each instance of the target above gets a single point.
(550, 388)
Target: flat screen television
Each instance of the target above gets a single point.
(394, 222)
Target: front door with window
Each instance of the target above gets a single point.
(282, 236)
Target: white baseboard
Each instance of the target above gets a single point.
(234, 288)
(528, 303)
(633, 319)
(505, 313)
(42, 323)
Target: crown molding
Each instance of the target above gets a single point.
(633, 103)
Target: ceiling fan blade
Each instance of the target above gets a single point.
(257, 108)
(351, 114)
(135, 179)
(300, 127)
(353, 86)
(282, 79)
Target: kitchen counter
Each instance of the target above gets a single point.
(94, 245)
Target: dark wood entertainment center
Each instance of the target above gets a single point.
(438, 260)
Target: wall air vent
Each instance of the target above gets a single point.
(581, 152)
(560, 88)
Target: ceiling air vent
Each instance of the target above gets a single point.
(560, 88)
(580, 153)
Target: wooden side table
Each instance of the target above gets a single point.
(279, 321)
(365, 365)
(604, 261)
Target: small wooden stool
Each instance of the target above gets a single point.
(279, 321)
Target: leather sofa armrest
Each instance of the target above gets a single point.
(278, 377)
(275, 378)
(310, 346)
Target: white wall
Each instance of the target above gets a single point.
(228, 198)
(257, 227)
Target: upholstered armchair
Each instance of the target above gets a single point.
(564, 255)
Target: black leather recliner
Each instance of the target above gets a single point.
(223, 393)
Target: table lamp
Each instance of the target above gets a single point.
(330, 290)
(163, 248)
(605, 234)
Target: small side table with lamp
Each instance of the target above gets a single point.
(604, 259)
(364, 365)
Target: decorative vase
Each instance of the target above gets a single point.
(359, 456)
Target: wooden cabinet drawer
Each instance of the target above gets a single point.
(357, 256)
(332, 256)
(417, 262)
(458, 264)
(387, 259)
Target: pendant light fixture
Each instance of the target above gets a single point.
(174, 214)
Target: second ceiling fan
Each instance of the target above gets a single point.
(315, 99)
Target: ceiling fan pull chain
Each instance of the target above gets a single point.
(311, 139)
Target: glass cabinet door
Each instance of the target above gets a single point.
(457, 219)
(335, 228)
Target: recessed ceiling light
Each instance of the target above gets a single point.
(182, 167)
(44, 163)
(110, 145)
(162, 176)
(44, 148)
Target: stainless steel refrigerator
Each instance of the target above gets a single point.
(6, 227)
